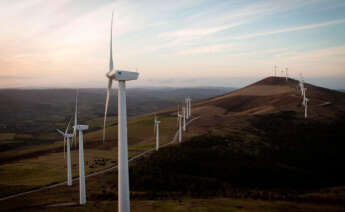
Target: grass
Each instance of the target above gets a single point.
(7, 136)
(195, 205)
(101, 190)
(45, 169)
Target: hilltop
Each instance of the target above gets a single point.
(268, 96)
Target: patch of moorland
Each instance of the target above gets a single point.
(299, 156)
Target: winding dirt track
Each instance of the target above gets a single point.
(95, 173)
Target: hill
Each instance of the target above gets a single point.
(270, 95)
(30, 116)
(254, 142)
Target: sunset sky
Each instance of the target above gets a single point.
(65, 43)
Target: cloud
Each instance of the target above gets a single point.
(188, 36)
(292, 29)
(207, 49)
(335, 53)
(188, 33)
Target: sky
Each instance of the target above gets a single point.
(185, 43)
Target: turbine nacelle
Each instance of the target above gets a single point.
(121, 75)
(69, 135)
(82, 127)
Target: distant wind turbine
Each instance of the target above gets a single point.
(179, 122)
(306, 100)
(184, 118)
(190, 106)
(286, 74)
(75, 118)
(303, 94)
(187, 107)
(156, 132)
(66, 140)
(275, 70)
(121, 77)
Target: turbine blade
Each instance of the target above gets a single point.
(66, 131)
(111, 64)
(154, 124)
(59, 131)
(64, 148)
(154, 129)
(106, 106)
(75, 118)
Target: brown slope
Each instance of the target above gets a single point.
(229, 112)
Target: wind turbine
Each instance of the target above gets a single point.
(156, 132)
(179, 122)
(82, 189)
(286, 74)
(303, 91)
(66, 139)
(75, 119)
(187, 107)
(80, 128)
(275, 70)
(121, 77)
(184, 118)
(306, 100)
(190, 106)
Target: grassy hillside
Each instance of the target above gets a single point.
(45, 164)
(291, 156)
(250, 150)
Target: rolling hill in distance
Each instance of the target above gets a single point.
(250, 149)
(32, 115)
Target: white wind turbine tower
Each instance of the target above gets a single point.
(187, 107)
(179, 122)
(190, 106)
(66, 140)
(305, 103)
(306, 100)
(286, 74)
(303, 94)
(80, 128)
(156, 132)
(121, 77)
(184, 118)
